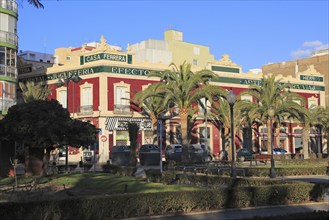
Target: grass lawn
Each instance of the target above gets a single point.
(106, 183)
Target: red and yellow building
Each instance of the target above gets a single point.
(110, 77)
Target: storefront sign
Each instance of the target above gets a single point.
(145, 72)
(311, 78)
(103, 56)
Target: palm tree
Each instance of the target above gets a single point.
(325, 125)
(271, 94)
(183, 87)
(150, 101)
(36, 3)
(311, 118)
(32, 91)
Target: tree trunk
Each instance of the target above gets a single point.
(183, 114)
(46, 159)
(277, 131)
(306, 139)
(36, 160)
(269, 136)
(28, 171)
(154, 126)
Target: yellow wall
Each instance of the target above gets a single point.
(183, 51)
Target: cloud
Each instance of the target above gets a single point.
(307, 48)
(315, 43)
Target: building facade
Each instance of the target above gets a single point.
(110, 77)
(319, 62)
(8, 52)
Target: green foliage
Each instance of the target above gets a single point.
(34, 91)
(43, 124)
(136, 204)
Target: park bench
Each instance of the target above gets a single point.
(261, 158)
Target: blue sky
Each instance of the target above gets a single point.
(253, 33)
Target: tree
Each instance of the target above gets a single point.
(312, 117)
(36, 3)
(32, 91)
(271, 94)
(42, 126)
(184, 88)
(150, 102)
(325, 125)
(133, 129)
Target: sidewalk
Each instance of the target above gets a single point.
(243, 213)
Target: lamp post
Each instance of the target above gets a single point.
(206, 125)
(60, 83)
(270, 113)
(231, 98)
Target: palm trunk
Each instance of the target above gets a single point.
(327, 138)
(278, 133)
(154, 126)
(228, 148)
(269, 136)
(306, 139)
(183, 114)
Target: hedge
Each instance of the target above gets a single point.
(132, 205)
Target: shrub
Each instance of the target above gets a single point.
(120, 170)
(131, 205)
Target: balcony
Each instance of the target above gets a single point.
(6, 103)
(122, 109)
(86, 110)
(9, 71)
(10, 5)
(9, 38)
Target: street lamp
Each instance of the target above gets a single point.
(60, 83)
(231, 98)
(270, 113)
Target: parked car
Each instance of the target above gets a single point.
(197, 153)
(244, 154)
(279, 150)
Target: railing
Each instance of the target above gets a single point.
(86, 110)
(5, 103)
(8, 71)
(10, 5)
(122, 109)
(8, 37)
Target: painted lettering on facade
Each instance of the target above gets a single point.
(103, 56)
(250, 82)
(311, 78)
(129, 71)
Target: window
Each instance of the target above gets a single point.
(121, 98)
(195, 62)
(68, 58)
(246, 98)
(203, 135)
(201, 109)
(196, 50)
(61, 97)
(312, 102)
(86, 97)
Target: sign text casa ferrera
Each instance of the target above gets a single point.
(103, 56)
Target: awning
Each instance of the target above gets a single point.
(121, 123)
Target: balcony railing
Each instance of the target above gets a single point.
(10, 5)
(5, 103)
(122, 109)
(8, 71)
(86, 110)
(8, 37)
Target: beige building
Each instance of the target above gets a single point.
(172, 49)
(317, 64)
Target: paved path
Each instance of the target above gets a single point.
(243, 213)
